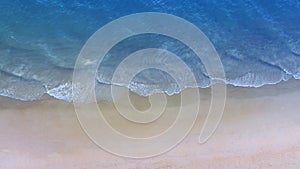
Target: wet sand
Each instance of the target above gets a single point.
(260, 128)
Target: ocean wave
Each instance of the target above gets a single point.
(258, 44)
(17, 88)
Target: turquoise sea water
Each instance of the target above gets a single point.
(258, 42)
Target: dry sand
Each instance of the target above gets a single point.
(260, 129)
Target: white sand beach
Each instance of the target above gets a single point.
(260, 128)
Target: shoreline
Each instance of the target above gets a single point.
(259, 129)
(285, 86)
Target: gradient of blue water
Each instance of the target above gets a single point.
(258, 42)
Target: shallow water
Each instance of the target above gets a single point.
(258, 42)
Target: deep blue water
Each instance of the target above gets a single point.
(258, 42)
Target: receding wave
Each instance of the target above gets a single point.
(258, 43)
